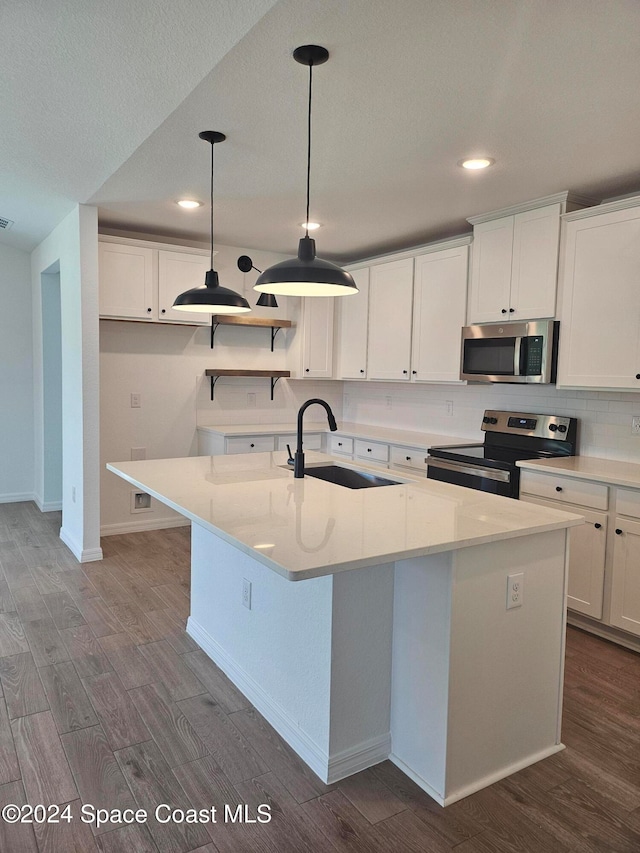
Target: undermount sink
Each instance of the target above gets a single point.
(347, 477)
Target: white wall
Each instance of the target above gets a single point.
(73, 247)
(166, 364)
(604, 416)
(16, 377)
(51, 391)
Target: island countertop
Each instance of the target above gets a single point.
(308, 528)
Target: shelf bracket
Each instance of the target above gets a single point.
(274, 332)
(274, 379)
(214, 379)
(214, 326)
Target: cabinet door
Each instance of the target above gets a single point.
(126, 281)
(600, 318)
(390, 304)
(439, 309)
(491, 258)
(587, 549)
(625, 576)
(352, 336)
(317, 337)
(534, 269)
(177, 272)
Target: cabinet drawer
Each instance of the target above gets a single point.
(628, 502)
(408, 457)
(372, 450)
(313, 441)
(340, 444)
(253, 444)
(559, 488)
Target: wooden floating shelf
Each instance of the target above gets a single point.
(242, 320)
(273, 375)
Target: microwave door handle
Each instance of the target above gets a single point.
(517, 350)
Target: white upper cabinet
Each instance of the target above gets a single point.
(317, 337)
(514, 266)
(600, 298)
(177, 272)
(390, 308)
(126, 281)
(352, 329)
(439, 309)
(139, 282)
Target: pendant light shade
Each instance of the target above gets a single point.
(307, 275)
(266, 300)
(210, 297)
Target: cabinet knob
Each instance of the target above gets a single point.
(368, 450)
(148, 310)
(414, 372)
(306, 370)
(637, 375)
(362, 371)
(597, 525)
(408, 458)
(339, 444)
(558, 488)
(618, 531)
(511, 310)
(252, 445)
(504, 311)
(405, 371)
(164, 311)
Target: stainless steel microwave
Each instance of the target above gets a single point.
(510, 352)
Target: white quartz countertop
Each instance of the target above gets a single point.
(588, 468)
(393, 436)
(307, 528)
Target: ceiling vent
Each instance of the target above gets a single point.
(5, 224)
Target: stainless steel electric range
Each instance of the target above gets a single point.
(508, 437)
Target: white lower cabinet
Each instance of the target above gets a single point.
(340, 445)
(412, 459)
(311, 441)
(373, 452)
(604, 561)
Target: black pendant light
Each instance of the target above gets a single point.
(266, 300)
(307, 275)
(210, 297)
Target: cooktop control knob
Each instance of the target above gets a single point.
(562, 428)
(486, 420)
(493, 420)
(553, 427)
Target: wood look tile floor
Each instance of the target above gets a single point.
(105, 700)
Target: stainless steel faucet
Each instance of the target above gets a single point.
(298, 460)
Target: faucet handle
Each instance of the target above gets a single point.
(290, 459)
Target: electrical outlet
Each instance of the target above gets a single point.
(515, 590)
(136, 401)
(449, 407)
(635, 426)
(140, 502)
(246, 593)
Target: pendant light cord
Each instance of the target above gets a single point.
(308, 149)
(212, 147)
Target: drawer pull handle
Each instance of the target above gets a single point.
(618, 531)
(148, 310)
(339, 444)
(368, 450)
(252, 445)
(597, 525)
(405, 372)
(163, 311)
(637, 375)
(362, 371)
(504, 311)
(306, 370)
(558, 488)
(408, 458)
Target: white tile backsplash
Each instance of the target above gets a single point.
(604, 416)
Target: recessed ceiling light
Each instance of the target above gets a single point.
(310, 226)
(476, 163)
(189, 203)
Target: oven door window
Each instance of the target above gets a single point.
(489, 356)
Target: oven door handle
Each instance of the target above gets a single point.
(517, 350)
(472, 470)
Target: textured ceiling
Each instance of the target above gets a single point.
(547, 88)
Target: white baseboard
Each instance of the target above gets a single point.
(607, 632)
(328, 768)
(47, 506)
(82, 555)
(142, 524)
(479, 784)
(17, 497)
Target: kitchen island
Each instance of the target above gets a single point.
(394, 640)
